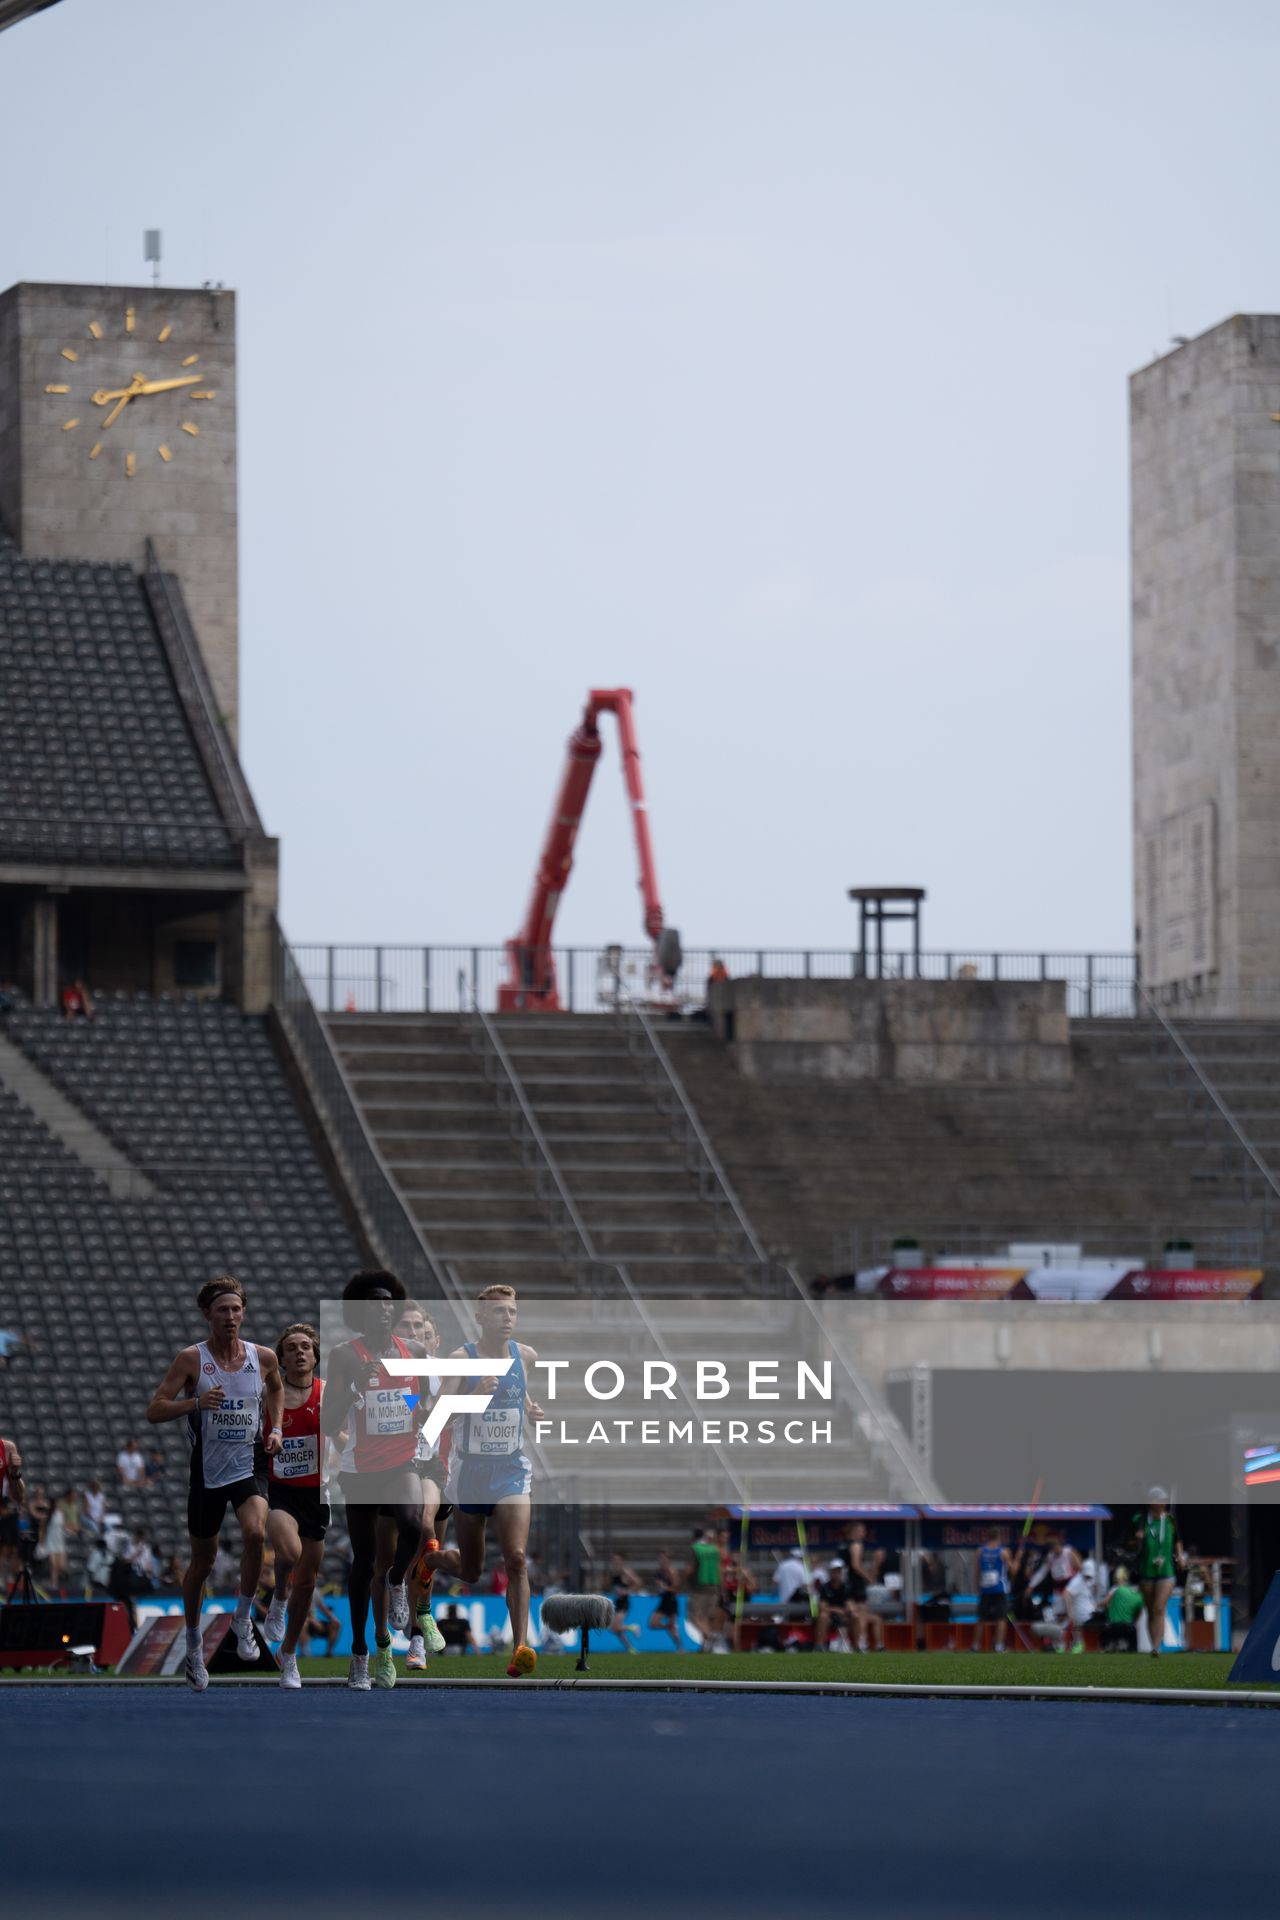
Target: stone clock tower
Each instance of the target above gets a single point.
(118, 425)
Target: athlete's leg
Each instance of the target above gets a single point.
(511, 1526)
(420, 1586)
(282, 1531)
(383, 1554)
(302, 1592)
(199, 1567)
(362, 1524)
(1158, 1607)
(466, 1560)
(252, 1515)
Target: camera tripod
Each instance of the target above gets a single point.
(23, 1586)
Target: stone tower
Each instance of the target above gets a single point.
(1205, 464)
(118, 425)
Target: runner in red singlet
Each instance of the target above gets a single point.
(297, 1496)
(382, 1491)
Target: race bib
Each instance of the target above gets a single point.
(234, 1420)
(299, 1458)
(991, 1580)
(495, 1433)
(386, 1411)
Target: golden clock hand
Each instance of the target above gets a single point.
(167, 386)
(122, 400)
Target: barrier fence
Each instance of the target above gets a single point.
(451, 979)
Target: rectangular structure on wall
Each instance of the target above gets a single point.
(1180, 881)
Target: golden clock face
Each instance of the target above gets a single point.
(128, 395)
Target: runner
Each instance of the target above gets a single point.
(416, 1324)
(665, 1617)
(489, 1472)
(13, 1497)
(218, 1386)
(623, 1582)
(382, 1492)
(297, 1496)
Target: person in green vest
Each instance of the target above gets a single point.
(703, 1579)
(1159, 1555)
(1124, 1604)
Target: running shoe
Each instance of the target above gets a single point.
(430, 1634)
(274, 1625)
(399, 1606)
(523, 1661)
(289, 1675)
(358, 1674)
(416, 1659)
(246, 1640)
(197, 1672)
(384, 1668)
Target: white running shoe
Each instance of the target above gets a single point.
(246, 1639)
(399, 1614)
(289, 1675)
(197, 1672)
(273, 1627)
(416, 1660)
(430, 1634)
(358, 1676)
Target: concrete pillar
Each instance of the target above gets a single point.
(40, 950)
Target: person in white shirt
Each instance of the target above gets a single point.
(130, 1465)
(93, 1509)
(792, 1576)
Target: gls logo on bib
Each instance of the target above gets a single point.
(458, 1367)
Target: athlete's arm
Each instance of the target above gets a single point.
(530, 1360)
(339, 1391)
(176, 1396)
(273, 1391)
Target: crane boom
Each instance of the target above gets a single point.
(531, 970)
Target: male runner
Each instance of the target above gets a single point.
(995, 1584)
(13, 1497)
(297, 1496)
(218, 1386)
(382, 1492)
(416, 1324)
(489, 1471)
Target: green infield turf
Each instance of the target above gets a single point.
(896, 1669)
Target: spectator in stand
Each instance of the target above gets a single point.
(793, 1577)
(8, 997)
(155, 1464)
(835, 1614)
(39, 1508)
(93, 1509)
(12, 1344)
(142, 1558)
(98, 1567)
(718, 972)
(76, 1003)
(1124, 1605)
(175, 1567)
(55, 1544)
(131, 1467)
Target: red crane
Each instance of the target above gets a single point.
(530, 985)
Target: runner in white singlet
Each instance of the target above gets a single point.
(219, 1387)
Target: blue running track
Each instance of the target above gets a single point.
(140, 1800)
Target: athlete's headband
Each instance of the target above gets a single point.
(222, 1293)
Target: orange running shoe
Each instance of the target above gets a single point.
(523, 1661)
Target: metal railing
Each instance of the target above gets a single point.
(687, 1129)
(1249, 1161)
(391, 978)
(195, 690)
(122, 843)
(398, 1240)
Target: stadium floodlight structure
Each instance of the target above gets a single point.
(530, 985)
(11, 11)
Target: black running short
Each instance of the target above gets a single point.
(668, 1606)
(621, 1604)
(432, 1469)
(306, 1504)
(9, 1528)
(993, 1606)
(206, 1506)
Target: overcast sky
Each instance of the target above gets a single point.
(767, 358)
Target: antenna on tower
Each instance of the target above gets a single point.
(151, 252)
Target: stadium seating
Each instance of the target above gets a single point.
(96, 762)
(104, 1287)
